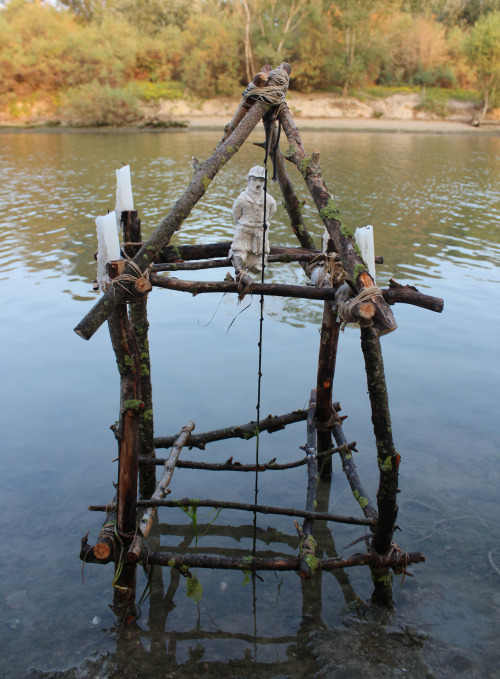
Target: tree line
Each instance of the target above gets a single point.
(206, 48)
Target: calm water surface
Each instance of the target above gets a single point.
(434, 201)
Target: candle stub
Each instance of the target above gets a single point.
(365, 241)
(124, 197)
(108, 247)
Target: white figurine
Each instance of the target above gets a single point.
(248, 214)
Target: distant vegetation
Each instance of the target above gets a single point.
(96, 60)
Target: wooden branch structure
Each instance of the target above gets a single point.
(149, 265)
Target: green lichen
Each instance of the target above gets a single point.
(358, 270)
(247, 560)
(348, 456)
(383, 579)
(286, 259)
(171, 563)
(205, 181)
(148, 415)
(385, 465)
(129, 361)
(176, 251)
(133, 404)
(313, 563)
(194, 588)
(305, 164)
(346, 230)
(144, 370)
(291, 151)
(363, 501)
(330, 211)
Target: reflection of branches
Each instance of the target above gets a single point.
(268, 535)
(442, 522)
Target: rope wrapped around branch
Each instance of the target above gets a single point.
(346, 307)
(331, 271)
(140, 280)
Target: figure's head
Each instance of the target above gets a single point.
(256, 178)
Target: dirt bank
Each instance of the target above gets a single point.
(396, 113)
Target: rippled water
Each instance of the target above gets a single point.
(434, 201)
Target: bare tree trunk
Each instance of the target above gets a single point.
(249, 65)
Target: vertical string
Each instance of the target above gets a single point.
(268, 129)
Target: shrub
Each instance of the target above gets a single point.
(96, 105)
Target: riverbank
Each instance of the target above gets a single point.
(399, 112)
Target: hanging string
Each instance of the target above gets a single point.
(268, 129)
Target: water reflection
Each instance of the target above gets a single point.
(434, 202)
(432, 199)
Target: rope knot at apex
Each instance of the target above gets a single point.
(272, 94)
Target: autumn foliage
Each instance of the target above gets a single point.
(207, 47)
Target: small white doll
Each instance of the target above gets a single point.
(248, 214)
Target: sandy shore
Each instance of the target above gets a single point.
(358, 125)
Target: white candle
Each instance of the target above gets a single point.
(108, 247)
(124, 197)
(364, 239)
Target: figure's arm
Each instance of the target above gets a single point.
(237, 209)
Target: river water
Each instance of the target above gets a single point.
(434, 201)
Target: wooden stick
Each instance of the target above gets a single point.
(349, 468)
(329, 338)
(128, 360)
(231, 466)
(227, 262)
(160, 491)
(281, 290)
(410, 295)
(138, 314)
(106, 543)
(292, 204)
(396, 559)
(388, 461)
(263, 509)
(173, 221)
(183, 253)
(341, 237)
(308, 543)
(247, 431)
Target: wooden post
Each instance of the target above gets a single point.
(388, 463)
(342, 238)
(326, 369)
(138, 314)
(308, 546)
(128, 360)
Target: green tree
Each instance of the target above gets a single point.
(483, 54)
(357, 19)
